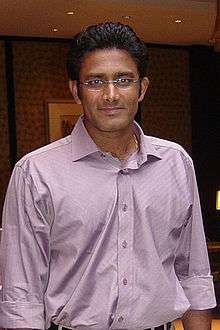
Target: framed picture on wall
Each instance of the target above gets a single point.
(61, 116)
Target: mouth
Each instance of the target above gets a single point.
(111, 110)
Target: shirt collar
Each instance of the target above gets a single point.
(83, 145)
(147, 149)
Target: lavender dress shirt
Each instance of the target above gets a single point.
(94, 243)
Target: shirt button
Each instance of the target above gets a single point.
(120, 319)
(103, 155)
(125, 207)
(124, 171)
(124, 244)
(125, 281)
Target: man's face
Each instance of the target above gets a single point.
(109, 109)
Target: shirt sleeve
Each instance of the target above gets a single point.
(192, 262)
(24, 255)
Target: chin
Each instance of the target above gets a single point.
(115, 125)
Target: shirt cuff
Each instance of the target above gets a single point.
(199, 290)
(21, 315)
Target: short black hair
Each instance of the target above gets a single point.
(106, 36)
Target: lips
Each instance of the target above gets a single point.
(111, 110)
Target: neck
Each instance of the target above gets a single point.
(121, 144)
(120, 147)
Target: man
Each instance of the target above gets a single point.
(102, 229)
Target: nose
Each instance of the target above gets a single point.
(110, 92)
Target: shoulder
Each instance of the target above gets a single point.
(168, 149)
(48, 155)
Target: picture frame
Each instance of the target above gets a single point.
(61, 116)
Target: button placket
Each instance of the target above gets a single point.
(124, 246)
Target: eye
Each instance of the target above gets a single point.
(124, 81)
(94, 82)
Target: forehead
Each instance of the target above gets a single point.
(108, 62)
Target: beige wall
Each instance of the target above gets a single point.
(40, 74)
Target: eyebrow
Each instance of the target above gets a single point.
(126, 73)
(115, 75)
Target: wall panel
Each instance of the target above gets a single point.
(166, 107)
(40, 74)
(4, 141)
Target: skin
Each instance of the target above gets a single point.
(195, 319)
(109, 114)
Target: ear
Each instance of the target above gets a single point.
(74, 91)
(143, 88)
